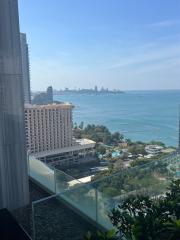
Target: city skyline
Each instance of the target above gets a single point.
(117, 44)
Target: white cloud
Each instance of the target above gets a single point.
(148, 56)
(165, 23)
(168, 64)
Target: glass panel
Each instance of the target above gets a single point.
(150, 179)
(50, 178)
(64, 182)
(42, 174)
(94, 202)
(83, 199)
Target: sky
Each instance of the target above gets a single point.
(117, 44)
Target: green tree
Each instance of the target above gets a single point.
(159, 143)
(118, 165)
(77, 133)
(144, 218)
(137, 149)
(81, 126)
(117, 137)
(139, 162)
(101, 150)
(98, 133)
(129, 142)
(110, 235)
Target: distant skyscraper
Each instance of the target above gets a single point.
(14, 190)
(44, 97)
(50, 94)
(25, 68)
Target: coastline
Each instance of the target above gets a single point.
(142, 115)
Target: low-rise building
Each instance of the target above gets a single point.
(153, 149)
(81, 152)
(123, 144)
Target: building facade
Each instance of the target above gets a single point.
(50, 94)
(82, 151)
(48, 127)
(14, 191)
(25, 68)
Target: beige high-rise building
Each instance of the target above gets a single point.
(48, 127)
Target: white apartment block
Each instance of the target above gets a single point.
(48, 127)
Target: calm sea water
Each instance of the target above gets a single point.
(139, 115)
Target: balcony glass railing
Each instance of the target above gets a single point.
(50, 178)
(93, 202)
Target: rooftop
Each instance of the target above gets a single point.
(49, 106)
(84, 141)
(156, 147)
(79, 145)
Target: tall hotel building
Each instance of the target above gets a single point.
(14, 191)
(25, 68)
(48, 127)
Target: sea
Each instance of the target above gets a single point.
(139, 115)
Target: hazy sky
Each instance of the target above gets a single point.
(124, 44)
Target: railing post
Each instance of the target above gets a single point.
(55, 180)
